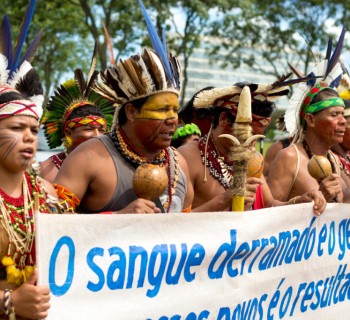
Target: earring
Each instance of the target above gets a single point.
(67, 142)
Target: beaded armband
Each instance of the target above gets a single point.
(69, 201)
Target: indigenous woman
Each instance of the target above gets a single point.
(21, 190)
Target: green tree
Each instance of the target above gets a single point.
(266, 34)
(63, 46)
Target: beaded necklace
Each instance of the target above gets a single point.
(220, 168)
(17, 218)
(309, 154)
(344, 162)
(129, 152)
(57, 159)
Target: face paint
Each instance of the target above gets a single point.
(7, 143)
(161, 106)
(18, 141)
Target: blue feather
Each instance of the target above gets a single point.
(336, 54)
(158, 46)
(22, 35)
(6, 39)
(164, 41)
(312, 79)
(335, 82)
(30, 52)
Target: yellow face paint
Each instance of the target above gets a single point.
(161, 106)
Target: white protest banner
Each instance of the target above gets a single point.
(276, 263)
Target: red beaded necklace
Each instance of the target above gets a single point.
(17, 218)
(220, 168)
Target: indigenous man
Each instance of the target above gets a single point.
(315, 118)
(73, 115)
(146, 88)
(211, 172)
(145, 121)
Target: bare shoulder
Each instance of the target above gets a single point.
(273, 149)
(286, 154)
(183, 163)
(190, 152)
(48, 170)
(87, 159)
(92, 149)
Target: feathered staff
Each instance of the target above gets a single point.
(240, 152)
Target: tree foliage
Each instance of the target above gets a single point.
(63, 44)
(267, 34)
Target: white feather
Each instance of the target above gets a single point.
(4, 73)
(292, 115)
(146, 78)
(160, 70)
(124, 81)
(207, 98)
(20, 73)
(335, 73)
(38, 100)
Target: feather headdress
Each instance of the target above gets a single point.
(17, 76)
(328, 72)
(141, 75)
(217, 97)
(72, 94)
